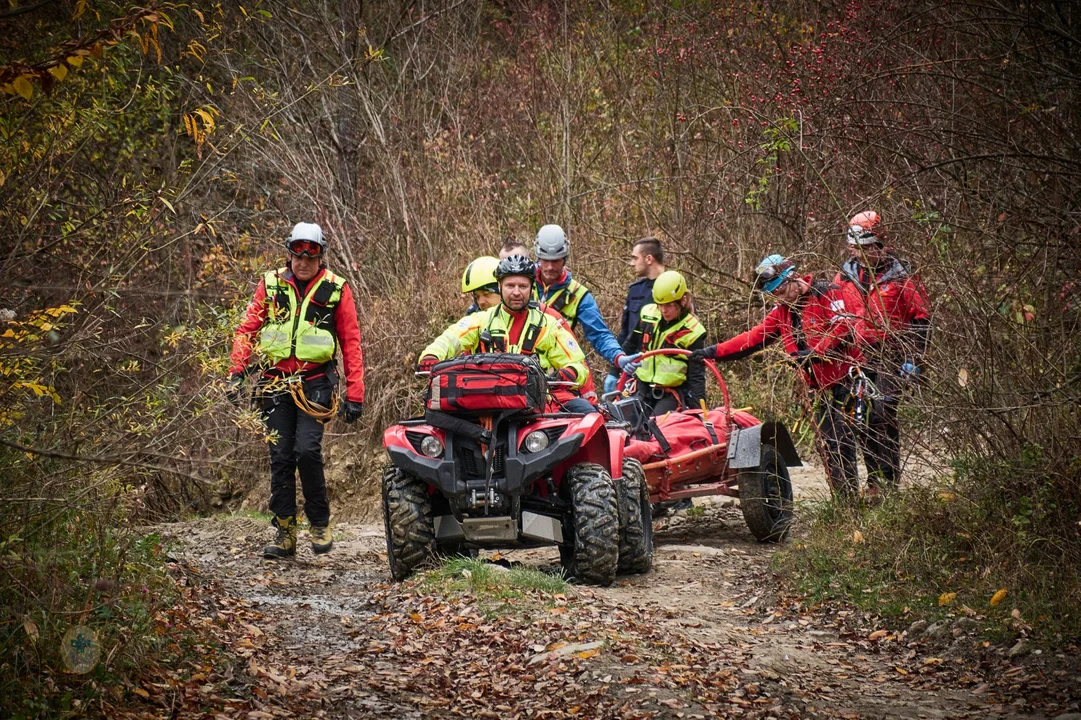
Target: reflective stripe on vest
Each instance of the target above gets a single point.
(304, 330)
(565, 301)
(666, 370)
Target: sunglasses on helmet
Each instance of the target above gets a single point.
(859, 235)
(772, 278)
(297, 248)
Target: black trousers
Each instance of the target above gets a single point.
(837, 442)
(298, 447)
(660, 402)
(881, 438)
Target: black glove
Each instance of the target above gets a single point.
(234, 390)
(703, 353)
(564, 375)
(803, 358)
(351, 410)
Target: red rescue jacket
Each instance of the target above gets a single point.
(895, 306)
(346, 329)
(818, 333)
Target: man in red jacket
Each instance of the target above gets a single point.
(300, 316)
(815, 328)
(893, 336)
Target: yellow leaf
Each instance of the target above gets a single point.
(74, 60)
(998, 597)
(80, 8)
(164, 202)
(946, 598)
(857, 537)
(23, 87)
(416, 617)
(58, 71)
(962, 377)
(878, 635)
(142, 693)
(933, 661)
(587, 653)
(3, 178)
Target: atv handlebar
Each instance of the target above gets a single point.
(677, 351)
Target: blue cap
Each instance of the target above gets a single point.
(772, 271)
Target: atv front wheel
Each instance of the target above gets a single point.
(407, 512)
(635, 520)
(594, 555)
(765, 496)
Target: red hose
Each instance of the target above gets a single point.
(677, 351)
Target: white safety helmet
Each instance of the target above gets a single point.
(307, 231)
(551, 243)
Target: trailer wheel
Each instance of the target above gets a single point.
(635, 520)
(765, 496)
(593, 555)
(407, 513)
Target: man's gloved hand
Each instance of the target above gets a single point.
(704, 353)
(234, 389)
(426, 363)
(564, 375)
(351, 411)
(909, 370)
(803, 357)
(629, 363)
(610, 382)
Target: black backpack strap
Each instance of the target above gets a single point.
(655, 430)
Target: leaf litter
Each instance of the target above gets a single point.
(330, 637)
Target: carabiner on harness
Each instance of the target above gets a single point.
(861, 395)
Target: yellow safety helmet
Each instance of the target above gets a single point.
(480, 275)
(669, 287)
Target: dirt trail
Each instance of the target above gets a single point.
(705, 634)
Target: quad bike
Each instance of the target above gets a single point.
(493, 463)
(722, 451)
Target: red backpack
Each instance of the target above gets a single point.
(487, 383)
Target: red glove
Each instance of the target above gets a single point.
(427, 363)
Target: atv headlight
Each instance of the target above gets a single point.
(431, 446)
(535, 441)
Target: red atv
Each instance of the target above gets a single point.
(722, 451)
(490, 465)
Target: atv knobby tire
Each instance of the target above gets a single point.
(593, 555)
(407, 512)
(635, 520)
(765, 496)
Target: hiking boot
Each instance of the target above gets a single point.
(322, 539)
(285, 542)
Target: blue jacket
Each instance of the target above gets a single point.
(589, 316)
(639, 294)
